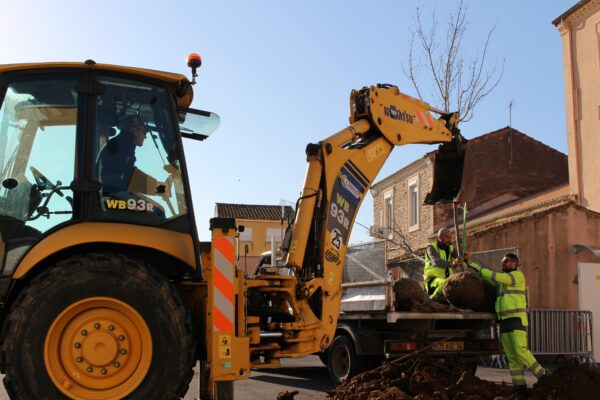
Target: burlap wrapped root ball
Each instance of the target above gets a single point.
(408, 294)
(468, 291)
(489, 298)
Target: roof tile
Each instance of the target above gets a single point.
(252, 211)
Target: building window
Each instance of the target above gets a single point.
(246, 236)
(413, 204)
(388, 216)
(275, 234)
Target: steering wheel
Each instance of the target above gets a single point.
(44, 183)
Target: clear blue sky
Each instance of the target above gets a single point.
(279, 73)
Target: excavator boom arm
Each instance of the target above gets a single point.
(340, 171)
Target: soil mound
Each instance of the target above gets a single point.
(287, 395)
(427, 379)
(572, 382)
(422, 379)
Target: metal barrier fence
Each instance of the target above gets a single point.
(561, 332)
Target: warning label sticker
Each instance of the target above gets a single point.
(224, 346)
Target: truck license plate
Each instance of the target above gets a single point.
(449, 346)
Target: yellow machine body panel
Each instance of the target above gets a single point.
(184, 100)
(402, 119)
(176, 244)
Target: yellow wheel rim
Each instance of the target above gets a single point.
(98, 349)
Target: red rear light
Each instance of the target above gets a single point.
(402, 346)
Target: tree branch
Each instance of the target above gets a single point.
(457, 84)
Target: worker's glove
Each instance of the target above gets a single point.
(467, 257)
(456, 262)
(474, 267)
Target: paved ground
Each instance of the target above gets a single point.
(307, 375)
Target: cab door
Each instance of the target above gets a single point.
(39, 117)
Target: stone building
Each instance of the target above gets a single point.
(500, 167)
(399, 213)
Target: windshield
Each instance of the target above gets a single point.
(138, 161)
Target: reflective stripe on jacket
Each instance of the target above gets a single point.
(511, 300)
(438, 266)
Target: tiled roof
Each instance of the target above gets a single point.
(521, 209)
(252, 211)
(518, 210)
(508, 129)
(499, 132)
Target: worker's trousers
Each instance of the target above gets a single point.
(519, 357)
(435, 289)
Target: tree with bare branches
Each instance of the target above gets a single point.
(457, 84)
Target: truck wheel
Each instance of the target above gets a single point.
(323, 356)
(343, 362)
(98, 326)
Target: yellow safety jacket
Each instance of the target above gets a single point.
(511, 300)
(441, 268)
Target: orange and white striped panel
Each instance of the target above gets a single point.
(223, 275)
(424, 118)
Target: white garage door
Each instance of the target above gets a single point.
(589, 298)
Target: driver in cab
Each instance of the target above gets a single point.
(120, 177)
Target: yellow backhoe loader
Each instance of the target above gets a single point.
(106, 291)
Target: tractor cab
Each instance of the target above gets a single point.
(89, 142)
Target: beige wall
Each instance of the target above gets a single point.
(580, 34)
(258, 242)
(545, 246)
(396, 185)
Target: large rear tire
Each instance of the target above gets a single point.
(98, 326)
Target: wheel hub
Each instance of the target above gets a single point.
(341, 362)
(98, 348)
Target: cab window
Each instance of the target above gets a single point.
(137, 159)
(38, 121)
(38, 125)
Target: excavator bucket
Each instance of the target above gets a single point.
(448, 167)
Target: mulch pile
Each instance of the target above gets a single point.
(427, 379)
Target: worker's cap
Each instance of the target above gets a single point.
(133, 121)
(510, 257)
